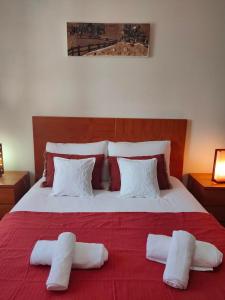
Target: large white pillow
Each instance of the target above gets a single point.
(138, 177)
(78, 148)
(72, 177)
(81, 149)
(141, 149)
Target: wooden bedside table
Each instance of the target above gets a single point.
(210, 194)
(13, 185)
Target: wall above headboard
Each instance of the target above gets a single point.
(83, 130)
(182, 79)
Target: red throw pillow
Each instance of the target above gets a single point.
(96, 175)
(162, 175)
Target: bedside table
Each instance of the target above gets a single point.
(210, 194)
(13, 185)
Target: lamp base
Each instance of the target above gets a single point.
(217, 181)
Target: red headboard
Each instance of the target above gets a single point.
(83, 130)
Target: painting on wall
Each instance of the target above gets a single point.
(109, 39)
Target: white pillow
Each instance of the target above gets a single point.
(78, 148)
(140, 149)
(72, 177)
(138, 177)
(81, 149)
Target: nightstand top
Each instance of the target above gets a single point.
(10, 178)
(205, 179)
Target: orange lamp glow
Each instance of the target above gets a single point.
(1, 161)
(219, 166)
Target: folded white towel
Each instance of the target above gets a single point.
(206, 256)
(85, 256)
(62, 259)
(179, 259)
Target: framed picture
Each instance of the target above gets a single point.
(108, 39)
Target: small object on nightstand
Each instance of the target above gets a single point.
(219, 166)
(209, 193)
(13, 185)
(1, 161)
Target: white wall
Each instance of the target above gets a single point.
(183, 78)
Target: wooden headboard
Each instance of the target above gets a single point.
(83, 130)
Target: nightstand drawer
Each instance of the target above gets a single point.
(13, 185)
(217, 211)
(7, 196)
(5, 209)
(206, 195)
(212, 197)
(210, 194)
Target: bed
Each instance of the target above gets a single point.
(121, 224)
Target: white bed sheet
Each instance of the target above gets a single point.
(177, 199)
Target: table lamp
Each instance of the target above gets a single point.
(1, 161)
(218, 174)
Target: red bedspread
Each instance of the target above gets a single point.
(127, 274)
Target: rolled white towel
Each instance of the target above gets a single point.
(179, 259)
(206, 255)
(62, 259)
(85, 256)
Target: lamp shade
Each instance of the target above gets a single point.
(1, 161)
(219, 166)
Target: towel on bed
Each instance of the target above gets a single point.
(206, 255)
(62, 260)
(85, 256)
(179, 259)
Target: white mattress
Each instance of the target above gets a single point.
(177, 199)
